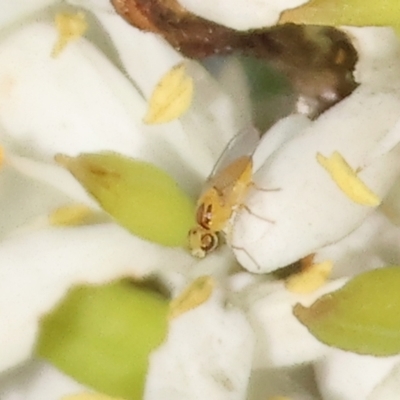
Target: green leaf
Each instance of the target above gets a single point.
(362, 316)
(138, 195)
(102, 336)
(345, 12)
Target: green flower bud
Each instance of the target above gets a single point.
(102, 336)
(138, 195)
(345, 12)
(362, 317)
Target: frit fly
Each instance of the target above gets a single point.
(224, 192)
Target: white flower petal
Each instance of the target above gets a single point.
(373, 245)
(84, 102)
(207, 354)
(93, 5)
(280, 133)
(348, 376)
(36, 270)
(213, 119)
(23, 199)
(233, 80)
(16, 10)
(389, 388)
(178, 275)
(241, 14)
(281, 339)
(37, 381)
(310, 211)
(145, 56)
(378, 50)
(52, 175)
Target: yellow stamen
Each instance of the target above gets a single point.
(89, 396)
(310, 279)
(197, 293)
(71, 215)
(70, 27)
(171, 97)
(347, 180)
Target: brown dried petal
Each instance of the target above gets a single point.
(134, 15)
(193, 36)
(319, 61)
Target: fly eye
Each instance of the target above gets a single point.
(204, 216)
(202, 242)
(209, 241)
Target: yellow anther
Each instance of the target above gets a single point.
(279, 398)
(71, 215)
(310, 279)
(171, 97)
(70, 27)
(197, 293)
(347, 180)
(89, 396)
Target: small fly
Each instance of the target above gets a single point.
(224, 192)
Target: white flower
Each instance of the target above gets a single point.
(243, 14)
(310, 211)
(81, 102)
(358, 379)
(213, 331)
(243, 341)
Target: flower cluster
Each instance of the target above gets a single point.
(76, 78)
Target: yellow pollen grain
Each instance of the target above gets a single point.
(70, 27)
(311, 279)
(71, 215)
(197, 293)
(347, 180)
(171, 97)
(89, 396)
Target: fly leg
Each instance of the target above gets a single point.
(247, 208)
(247, 254)
(255, 186)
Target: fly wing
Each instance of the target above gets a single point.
(242, 144)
